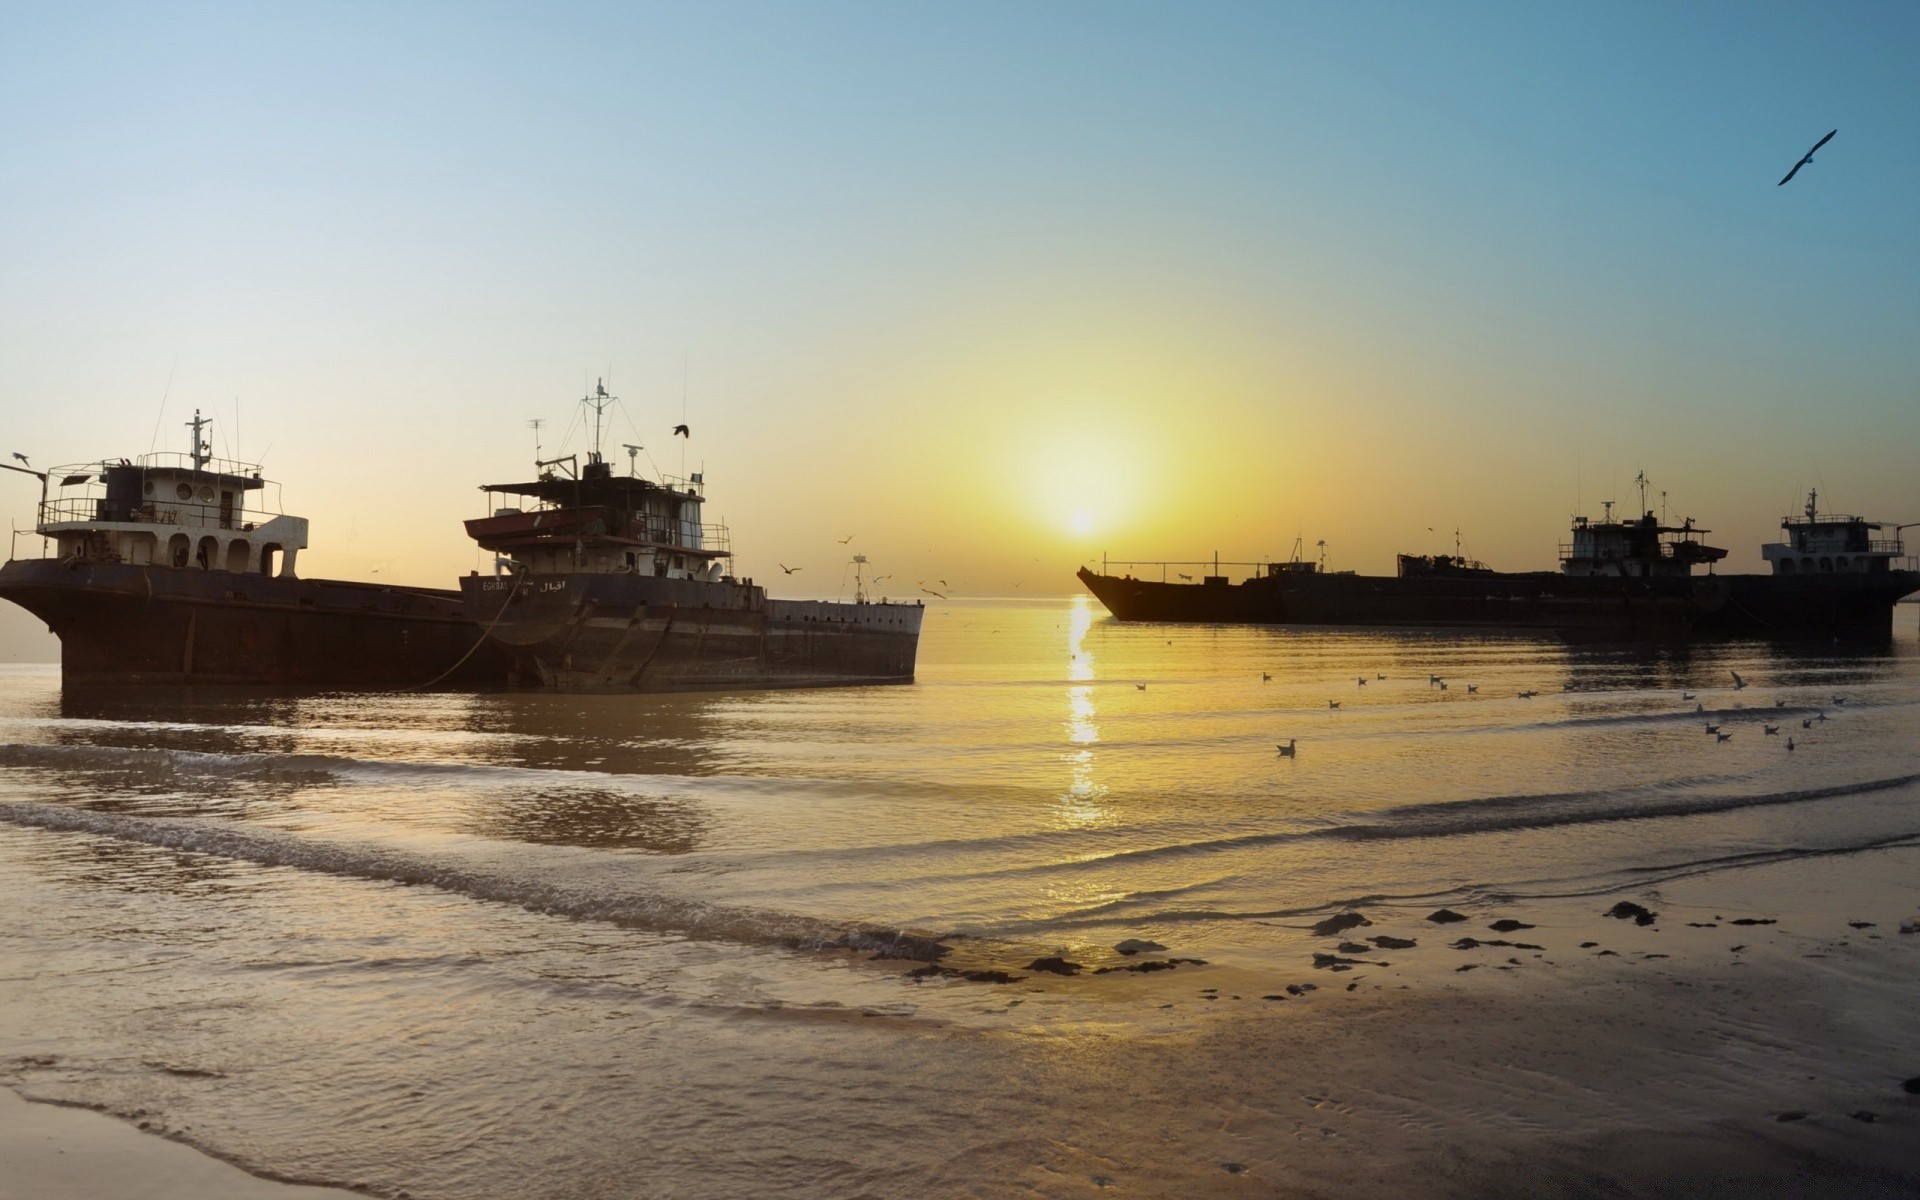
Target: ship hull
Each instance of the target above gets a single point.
(1706, 606)
(125, 624)
(623, 632)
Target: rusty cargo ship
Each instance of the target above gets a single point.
(162, 569)
(615, 582)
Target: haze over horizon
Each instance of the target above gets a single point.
(994, 289)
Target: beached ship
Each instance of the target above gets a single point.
(163, 570)
(1832, 575)
(611, 582)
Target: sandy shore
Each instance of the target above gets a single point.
(57, 1152)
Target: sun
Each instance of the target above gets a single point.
(1081, 522)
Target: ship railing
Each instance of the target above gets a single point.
(1211, 566)
(93, 510)
(174, 461)
(1887, 546)
(712, 538)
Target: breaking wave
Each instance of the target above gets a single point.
(540, 893)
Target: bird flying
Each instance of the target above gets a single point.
(1809, 158)
(846, 539)
(1738, 682)
(21, 457)
(681, 431)
(789, 570)
(936, 595)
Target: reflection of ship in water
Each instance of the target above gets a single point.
(1831, 575)
(614, 583)
(163, 572)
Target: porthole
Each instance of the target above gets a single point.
(184, 491)
(206, 495)
(149, 487)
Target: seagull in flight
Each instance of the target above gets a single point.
(1738, 682)
(1809, 158)
(936, 595)
(846, 539)
(789, 570)
(681, 431)
(21, 457)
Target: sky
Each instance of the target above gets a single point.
(994, 288)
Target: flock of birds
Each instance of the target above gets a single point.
(1290, 747)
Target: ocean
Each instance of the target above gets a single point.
(785, 943)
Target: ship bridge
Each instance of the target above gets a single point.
(1831, 544)
(168, 509)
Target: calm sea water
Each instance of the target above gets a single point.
(626, 945)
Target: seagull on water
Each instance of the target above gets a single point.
(1789, 743)
(1807, 724)
(1360, 681)
(1141, 687)
(1713, 729)
(1839, 699)
(1432, 679)
(1286, 751)
(1807, 158)
(1528, 695)
(1333, 704)
(1473, 689)
(1723, 737)
(1265, 678)
(1377, 675)
(1699, 708)
(1770, 730)
(1686, 695)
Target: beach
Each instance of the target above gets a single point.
(1055, 921)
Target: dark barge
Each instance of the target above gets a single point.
(1831, 575)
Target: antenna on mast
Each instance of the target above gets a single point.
(598, 402)
(1641, 479)
(535, 425)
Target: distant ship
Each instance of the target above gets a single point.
(1831, 575)
(162, 571)
(607, 582)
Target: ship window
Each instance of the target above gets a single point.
(1786, 566)
(268, 553)
(238, 552)
(633, 560)
(178, 548)
(1806, 564)
(204, 555)
(1839, 564)
(1826, 566)
(149, 487)
(184, 491)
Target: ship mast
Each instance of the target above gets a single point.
(598, 403)
(202, 446)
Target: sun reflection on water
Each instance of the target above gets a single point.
(1082, 804)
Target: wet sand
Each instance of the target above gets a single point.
(1754, 1036)
(58, 1152)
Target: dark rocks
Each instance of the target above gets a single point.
(931, 971)
(1508, 925)
(1912, 1086)
(1753, 921)
(1737, 949)
(1864, 1114)
(1333, 962)
(1134, 946)
(1233, 1168)
(1588, 945)
(1354, 948)
(1860, 925)
(1607, 954)
(1301, 989)
(1627, 909)
(1445, 916)
(1054, 965)
(1701, 925)
(1466, 967)
(1339, 923)
(1152, 964)
(1389, 942)
(1273, 997)
(1467, 943)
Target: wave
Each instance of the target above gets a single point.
(540, 892)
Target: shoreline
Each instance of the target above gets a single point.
(54, 1150)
